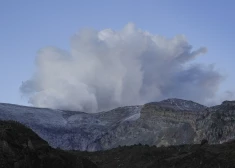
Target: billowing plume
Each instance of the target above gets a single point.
(106, 69)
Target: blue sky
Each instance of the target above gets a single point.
(27, 26)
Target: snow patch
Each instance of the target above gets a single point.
(133, 117)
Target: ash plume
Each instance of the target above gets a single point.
(106, 69)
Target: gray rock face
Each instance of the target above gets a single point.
(168, 122)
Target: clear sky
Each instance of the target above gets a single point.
(26, 26)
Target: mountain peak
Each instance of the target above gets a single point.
(181, 104)
(228, 103)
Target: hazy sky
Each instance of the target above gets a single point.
(27, 26)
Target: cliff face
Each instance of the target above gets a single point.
(217, 124)
(169, 122)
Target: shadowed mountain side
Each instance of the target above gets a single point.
(20, 147)
(183, 156)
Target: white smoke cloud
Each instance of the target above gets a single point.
(106, 69)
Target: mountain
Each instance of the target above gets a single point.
(168, 122)
(20, 147)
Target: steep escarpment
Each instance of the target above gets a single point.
(170, 122)
(195, 122)
(167, 111)
(169, 125)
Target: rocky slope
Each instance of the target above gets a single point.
(168, 122)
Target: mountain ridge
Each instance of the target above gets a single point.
(168, 122)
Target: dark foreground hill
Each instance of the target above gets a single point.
(183, 156)
(20, 147)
